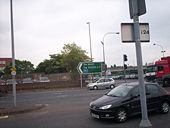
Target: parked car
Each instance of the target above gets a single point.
(102, 83)
(10, 82)
(3, 88)
(27, 80)
(44, 79)
(2, 82)
(124, 101)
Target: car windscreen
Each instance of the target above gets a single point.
(120, 91)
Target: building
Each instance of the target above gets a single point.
(4, 62)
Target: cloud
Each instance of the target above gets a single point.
(42, 27)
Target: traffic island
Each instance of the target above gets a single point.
(20, 109)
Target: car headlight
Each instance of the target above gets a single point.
(90, 104)
(90, 85)
(105, 107)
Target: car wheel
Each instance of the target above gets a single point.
(164, 108)
(121, 115)
(95, 88)
(112, 86)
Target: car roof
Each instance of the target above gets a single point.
(137, 83)
(105, 78)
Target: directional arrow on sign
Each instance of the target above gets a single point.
(90, 67)
(79, 68)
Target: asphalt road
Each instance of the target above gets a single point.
(67, 108)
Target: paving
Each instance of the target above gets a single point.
(20, 109)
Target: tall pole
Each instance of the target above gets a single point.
(13, 54)
(145, 121)
(137, 8)
(104, 49)
(90, 41)
(103, 52)
(163, 51)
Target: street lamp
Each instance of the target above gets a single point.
(90, 41)
(103, 42)
(13, 53)
(163, 51)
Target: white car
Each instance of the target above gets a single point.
(44, 79)
(27, 80)
(102, 83)
(10, 82)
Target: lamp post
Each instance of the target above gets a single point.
(103, 43)
(13, 54)
(163, 51)
(90, 41)
(108, 33)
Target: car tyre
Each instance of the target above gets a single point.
(164, 108)
(95, 87)
(121, 115)
(112, 86)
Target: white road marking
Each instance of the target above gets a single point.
(3, 117)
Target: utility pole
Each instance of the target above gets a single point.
(13, 55)
(90, 41)
(137, 8)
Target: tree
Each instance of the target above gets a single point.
(22, 67)
(53, 65)
(67, 61)
(72, 55)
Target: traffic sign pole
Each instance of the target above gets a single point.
(13, 55)
(137, 9)
(81, 79)
(145, 121)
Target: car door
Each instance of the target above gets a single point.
(134, 101)
(106, 83)
(100, 83)
(153, 95)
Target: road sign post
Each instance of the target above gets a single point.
(137, 8)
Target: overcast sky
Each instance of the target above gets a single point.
(42, 27)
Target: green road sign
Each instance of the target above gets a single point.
(90, 67)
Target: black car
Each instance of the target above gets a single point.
(124, 101)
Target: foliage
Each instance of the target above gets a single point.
(67, 61)
(72, 55)
(53, 65)
(24, 67)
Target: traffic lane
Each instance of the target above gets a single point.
(47, 97)
(76, 107)
(60, 109)
(78, 116)
(73, 111)
(76, 119)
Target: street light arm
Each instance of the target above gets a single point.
(161, 48)
(109, 34)
(102, 42)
